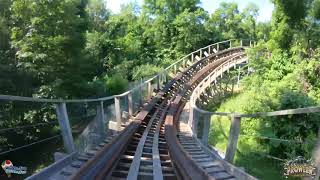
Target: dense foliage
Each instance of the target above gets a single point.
(67, 48)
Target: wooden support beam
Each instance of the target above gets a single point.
(141, 93)
(195, 122)
(228, 66)
(158, 81)
(118, 112)
(238, 82)
(206, 54)
(165, 74)
(62, 115)
(233, 138)
(190, 122)
(184, 63)
(130, 104)
(316, 160)
(206, 128)
(316, 156)
(100, 119)
(149, 90)
(189, 63)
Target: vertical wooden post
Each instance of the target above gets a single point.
(175, 69)
(250, 43)
(149, 90)
(184, 62)
(233, 138)
(190, 122)
(218, 47)
(316, 155)
(238, 77)
(141, 93)
(118, 112)
(316, 159)
(241, 42)
(195, 123)
(206, 129)
(158, 81)
(130, 103)
(62, 115)
(228, 66)
(209, 50)
(192, 57)
(100, 119)
(200, 53)
(165, 75)
(230, 44)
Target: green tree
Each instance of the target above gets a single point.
(49, 38)
(98, 14)
(249, 25)
(316, 9)
(287, 20)
(263, 31)
(190, 31)
(169, 8)
(13, 79)
(226, 19)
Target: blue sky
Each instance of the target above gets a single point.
(265, 6)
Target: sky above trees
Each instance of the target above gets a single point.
(265, 6)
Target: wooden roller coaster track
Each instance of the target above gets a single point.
(158, 143)
(155, 145)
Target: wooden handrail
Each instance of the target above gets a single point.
(306, 110)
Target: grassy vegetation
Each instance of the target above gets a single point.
(247, 153)
(251, 151)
